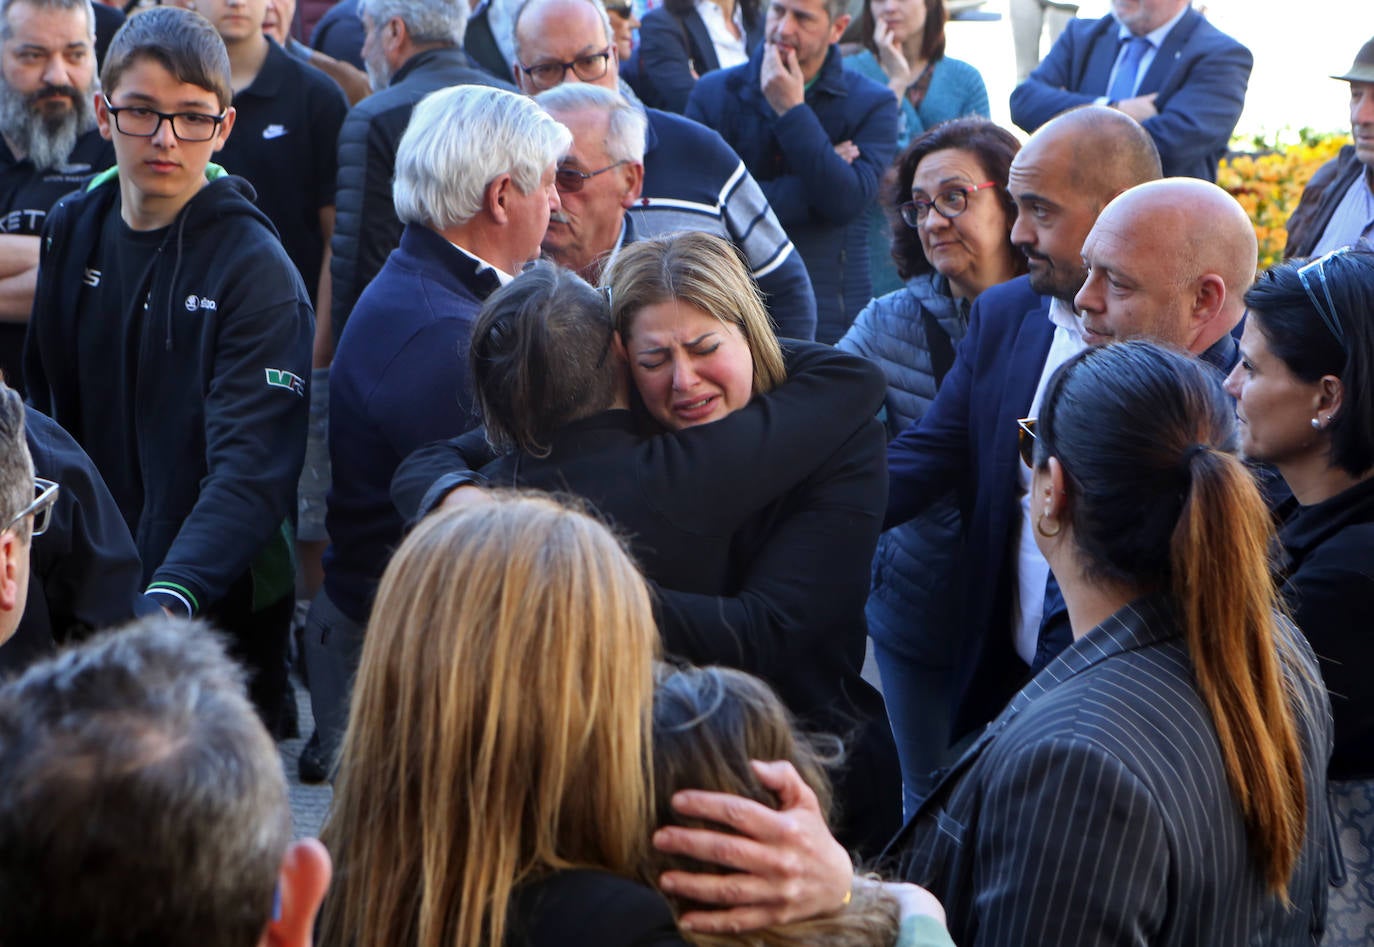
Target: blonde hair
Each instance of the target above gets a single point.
(499, 727)
(706, 271)
(708, 724)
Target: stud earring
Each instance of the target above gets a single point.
(1316, 424)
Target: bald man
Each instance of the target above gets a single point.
(1019, 333)
(1169, 260)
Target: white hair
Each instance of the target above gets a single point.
(606, 27)
(627, 127)
(462, 138)
(427, 21)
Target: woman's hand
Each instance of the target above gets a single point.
(786, 866)
(892, 58)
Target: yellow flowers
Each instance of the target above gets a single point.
(1269, 183)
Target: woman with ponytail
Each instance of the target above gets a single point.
(1304, 390)
(1161, 781)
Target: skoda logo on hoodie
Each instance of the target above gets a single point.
(194, 302)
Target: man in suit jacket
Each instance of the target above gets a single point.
(1161, 63)
(1168, 261)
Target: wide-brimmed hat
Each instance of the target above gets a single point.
(1363, 68)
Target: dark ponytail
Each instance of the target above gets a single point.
(1158, 500)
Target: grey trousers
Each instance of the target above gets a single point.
(333, 645)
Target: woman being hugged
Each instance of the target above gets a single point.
(951, 239)
(1304, 389)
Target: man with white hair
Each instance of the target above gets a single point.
(49, 144)
(411, 48)
(474, 189)
(600, 179)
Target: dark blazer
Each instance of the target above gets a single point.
(1096, 811)
(671, 47)
(967, 441)
(1199, 73)
(585, 908)
(758, 529)
(1328, 564)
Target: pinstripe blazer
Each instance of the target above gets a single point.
(1095, 809)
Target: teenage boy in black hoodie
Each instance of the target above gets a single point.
(171, 336)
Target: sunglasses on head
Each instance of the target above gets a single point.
(1025, 440)
(622, 10)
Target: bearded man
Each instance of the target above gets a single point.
(49, 145)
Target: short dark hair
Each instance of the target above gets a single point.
(16, 465)
(142, 801)
(991, 144)
(932, 36)
(1297, 334)
(182, 42)
(540, 357)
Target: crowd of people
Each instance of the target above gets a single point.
(586, 386)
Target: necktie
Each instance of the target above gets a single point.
(1123, 86)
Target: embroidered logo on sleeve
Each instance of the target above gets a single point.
(205, 303)
(281, 378)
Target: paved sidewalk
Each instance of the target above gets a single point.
(309, 804)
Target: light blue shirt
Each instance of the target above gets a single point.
(1353, 220)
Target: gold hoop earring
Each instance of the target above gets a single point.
(1040, 527)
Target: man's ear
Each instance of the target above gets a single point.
(11, 551)
(103, 120)
(225, 127)
(838, 26)
(498, 193)
(301, 884)
(634, 184)
(1209, 298)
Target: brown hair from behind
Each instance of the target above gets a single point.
(705, 271)
(499, 726)
(708, 724)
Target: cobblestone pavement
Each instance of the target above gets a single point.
(308, 803)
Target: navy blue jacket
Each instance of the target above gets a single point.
(399, 381)
(816, 194)
(84, 572)
(221, 375)
(673, 46)
(366, 228)
(1199, 73)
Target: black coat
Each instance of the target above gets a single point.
(758, 529)
(585, 908)
(1329, 570)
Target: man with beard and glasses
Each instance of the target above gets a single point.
(48, 142)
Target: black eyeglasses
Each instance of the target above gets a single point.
(948, 204)
(1327, 312)
(1025, 440)
(45, 495)
(571, 180)
(588, 68)
(139, 121)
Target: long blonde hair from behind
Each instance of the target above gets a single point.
(499, 727)
(706, 271)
